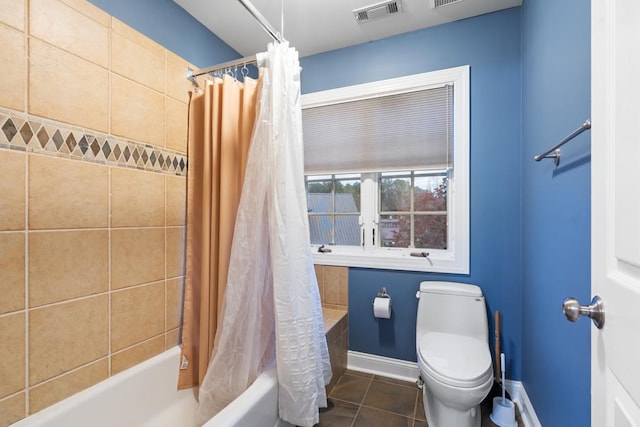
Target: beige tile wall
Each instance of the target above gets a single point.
(337, 334)
(91, 255)
(333, 283)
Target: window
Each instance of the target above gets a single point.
(333, 203)
(387, 173)
(413, 210)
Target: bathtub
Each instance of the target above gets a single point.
(146, 396)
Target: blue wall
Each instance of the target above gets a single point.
(490, 44)
(171, 26)
(556, 209)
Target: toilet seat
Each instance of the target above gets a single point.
(456, 360)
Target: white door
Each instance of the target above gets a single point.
(615, 276)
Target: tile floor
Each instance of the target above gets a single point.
(364, 400)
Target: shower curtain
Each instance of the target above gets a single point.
(271, 310)
(221, 120)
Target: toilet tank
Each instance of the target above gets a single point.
(453, 308)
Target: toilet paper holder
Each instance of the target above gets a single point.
(382, 293)
(382, 305)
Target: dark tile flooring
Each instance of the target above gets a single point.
(364, 400)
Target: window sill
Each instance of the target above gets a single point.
(393, 260)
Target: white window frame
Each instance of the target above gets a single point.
(455, 259)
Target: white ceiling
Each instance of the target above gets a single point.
(314, 26)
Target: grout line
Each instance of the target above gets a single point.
(66, 50)
(85, 297)
(166, 76)
(145, 341)
(71, 371)
(109, 85)
(75, 299)
(58, 230)
(388, 412)
(140, 227)
(386, 380)
(27, 335)
(355, 417)
(27, 38)
(336, 399)
(141, 285)
(109, 276)
(13, 231)
(130, 79)
(164, 95)
(13, 313)
(362, 401)
(10, 396)
(165, 246)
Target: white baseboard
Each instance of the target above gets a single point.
(409, 371)
(380, 365)
(521, 399)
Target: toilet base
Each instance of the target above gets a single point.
(440, 415)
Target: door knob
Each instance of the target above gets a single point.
(573, 310)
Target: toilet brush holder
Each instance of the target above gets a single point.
(504, 413)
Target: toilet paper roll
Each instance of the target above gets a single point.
(382, 308)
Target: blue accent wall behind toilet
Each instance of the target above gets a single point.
(556, 218)
(490, 44)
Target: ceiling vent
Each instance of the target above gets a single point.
(440, 3)
(379, 10)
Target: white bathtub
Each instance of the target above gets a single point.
(146, 396)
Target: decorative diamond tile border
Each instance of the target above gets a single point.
(23, 132)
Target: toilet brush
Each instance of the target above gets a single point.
(503, 414)
(496, 390)
(504, 389)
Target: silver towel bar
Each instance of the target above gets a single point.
(556, 148)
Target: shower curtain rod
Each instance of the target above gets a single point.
(261, 20)
(192, 74)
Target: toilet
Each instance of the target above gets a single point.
(453, 353)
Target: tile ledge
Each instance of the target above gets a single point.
(332, 317)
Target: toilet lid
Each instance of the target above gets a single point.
(456, 359)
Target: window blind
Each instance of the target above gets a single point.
(403, 131)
